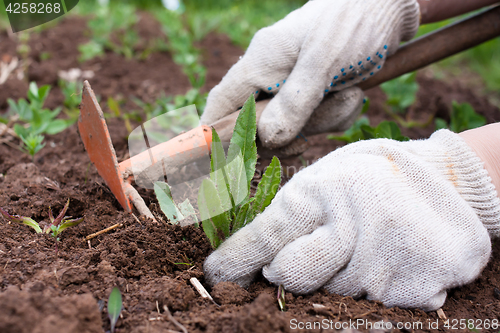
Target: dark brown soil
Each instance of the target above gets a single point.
(44, 291)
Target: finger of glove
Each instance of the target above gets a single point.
(336, 113)
(265, 66)
(307, 263)
(295, 211)
(323, 66)
(286, 114)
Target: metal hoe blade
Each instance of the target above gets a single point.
(95, 136)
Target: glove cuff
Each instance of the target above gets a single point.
(465, 170)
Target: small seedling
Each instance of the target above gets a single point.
(111, 32)
(115, 307)
(281, 298)
(181, 45)
(361, 130)
(56, 226)
(34, 120)
(463, 117)
(401, 92)
(33, 143)
(72, 91)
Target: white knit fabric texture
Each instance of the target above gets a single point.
(325, 46)
(399, 222)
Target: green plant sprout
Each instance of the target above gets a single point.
(32, 144)
(72, 91)
(37, 120)
(115, 307)
(181, 45)
(463, 117)
(361, 130)
(165, 104)
(55, 227)
(281, 298)
(401, 92)
(224, 201)
(111, 32)
(114, 106)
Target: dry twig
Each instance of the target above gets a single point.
(89, 237)
(173, 320)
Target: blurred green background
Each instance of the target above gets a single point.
(240, 19)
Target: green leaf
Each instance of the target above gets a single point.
(218, 157)
(22, 108)
(21, 219)
(237, 179)
(69, 223)
(33, 143)
(354, 133)
(114, 106)
(241, 218)
(463, 117)
(90, 50)
(401, 92)
(33, 92)
(43, 93)
(21, 131)
(440, 124)
(386, 129)
(213, 217)
(367, 132)
(219, 172)
(167, 205)
(267, 188)
(56, 126)
(115, 306)
(243, 140)
(187, 210)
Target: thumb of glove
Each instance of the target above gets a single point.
(336, 113)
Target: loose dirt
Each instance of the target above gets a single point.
(41, 291)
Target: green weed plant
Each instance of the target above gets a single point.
(361, 130)
(224, 201)
(463, 117)
(33, 120)
(55, 227)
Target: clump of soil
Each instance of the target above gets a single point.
(41, 291)
(33, 311)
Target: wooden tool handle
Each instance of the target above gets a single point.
(411, 56)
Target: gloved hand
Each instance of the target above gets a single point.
(398, 222)
(324, 46)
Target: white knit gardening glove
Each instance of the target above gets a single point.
(398, 222)
(323, 47)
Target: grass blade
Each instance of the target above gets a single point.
(115, 306)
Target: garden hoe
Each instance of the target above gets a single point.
(195, 143)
